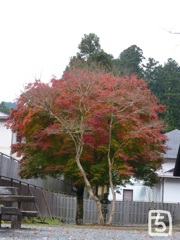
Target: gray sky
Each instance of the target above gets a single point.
(38, 37)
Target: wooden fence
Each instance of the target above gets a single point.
(49, 204)
(9, 168)
(55, 198)
(130, 213)
(53, 203)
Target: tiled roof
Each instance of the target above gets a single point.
(173, 143)
(3, 115)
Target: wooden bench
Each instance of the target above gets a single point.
(29, 213)
(9, 194)
(11, 211)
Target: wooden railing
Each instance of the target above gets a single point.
(55, 198)
(9, 169)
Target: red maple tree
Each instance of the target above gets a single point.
(94, 128)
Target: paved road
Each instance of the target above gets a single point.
(78, 233)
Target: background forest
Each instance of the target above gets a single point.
(162, 80)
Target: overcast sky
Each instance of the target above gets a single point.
(38, 37)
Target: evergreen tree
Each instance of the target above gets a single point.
(170, 95)
(164, 81)
(129, 62)
(89, 45)
(3, 108)
(91, 54)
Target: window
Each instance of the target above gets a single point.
(127, 195)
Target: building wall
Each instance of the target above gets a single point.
(168, 194)
(5, 138)
(140, 192)
(167, 191)
(172, 190)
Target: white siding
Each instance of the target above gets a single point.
(5, 138)
(171, 190)
(140, 193)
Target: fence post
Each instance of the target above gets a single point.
(35, 204)
(46, 205)
(126, 212)
(177, 214)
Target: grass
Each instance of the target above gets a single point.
(40, 221)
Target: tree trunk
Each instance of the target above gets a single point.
(99, 211)
(110, 173)
(112, 209)
(88, 185)
(80, 209)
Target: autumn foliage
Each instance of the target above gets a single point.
(90, 126)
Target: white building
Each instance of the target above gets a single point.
(167, 189)
(6, 136)
(169, 184)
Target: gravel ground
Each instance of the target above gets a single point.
(68, 232)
